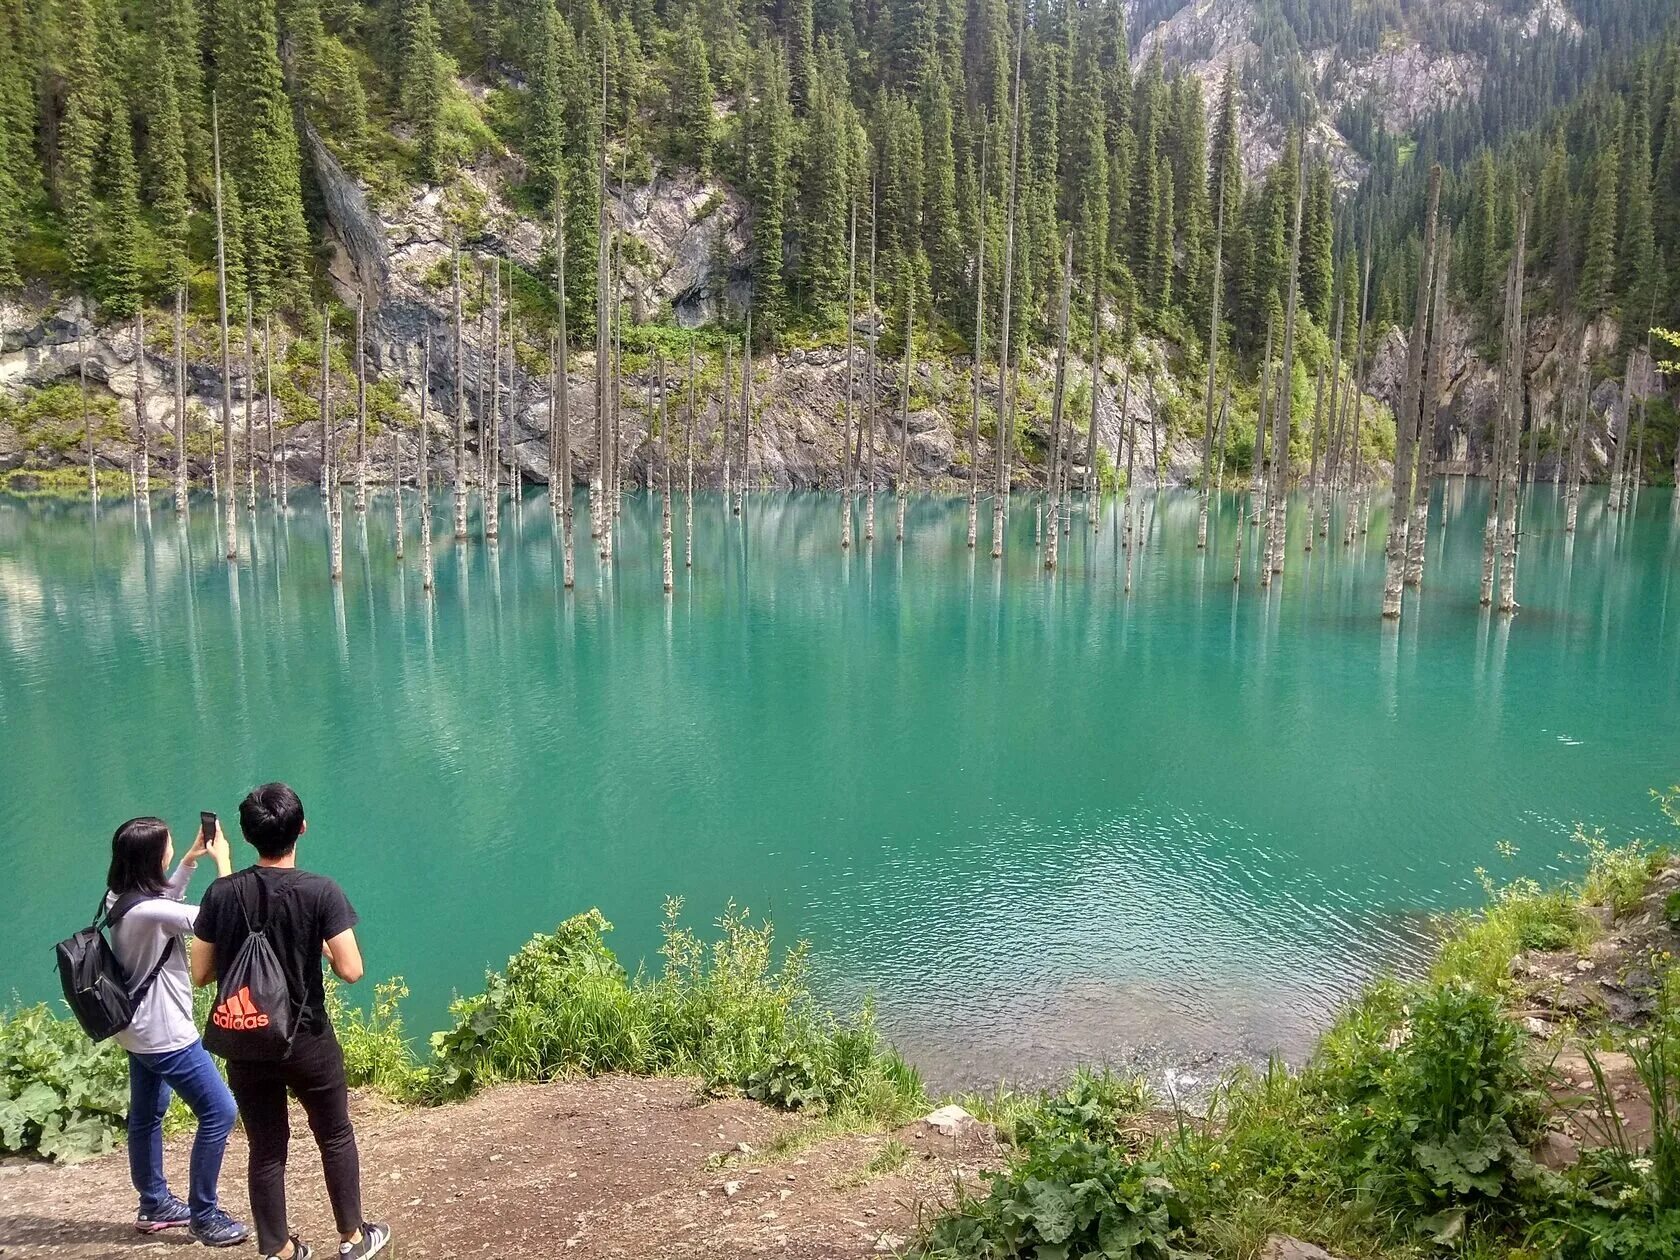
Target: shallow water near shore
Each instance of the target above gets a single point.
(1040, 819)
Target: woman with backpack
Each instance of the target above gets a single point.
(150, 919)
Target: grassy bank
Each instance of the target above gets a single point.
(1410, 1133)
(729, 1007)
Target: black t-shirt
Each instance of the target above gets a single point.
(302, 910)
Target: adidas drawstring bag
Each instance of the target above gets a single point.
(253, 1016)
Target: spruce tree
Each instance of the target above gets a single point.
(261, 151)
(1318, 278)
(122, 218)
(167, 148)
(825, 158)
(1598, 268)
(545, 120)
(11, 212)
(178, 36)
(421, 82)
(1638, 254)
(80, 138)
(767, 143)
(691, 96)
(1161, 258)
(941, 233)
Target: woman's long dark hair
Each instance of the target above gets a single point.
(137, 857)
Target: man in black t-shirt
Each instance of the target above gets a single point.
(305, 916)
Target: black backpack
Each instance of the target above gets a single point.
(97, 987)
(254, 1016)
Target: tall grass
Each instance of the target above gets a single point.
(729, 1011)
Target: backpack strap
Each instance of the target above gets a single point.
(138, 993)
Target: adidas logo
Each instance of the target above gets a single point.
(239, 1013)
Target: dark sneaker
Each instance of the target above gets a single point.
(375, 1238)
(221, 1230)
(170, 1214)
(300, 1251)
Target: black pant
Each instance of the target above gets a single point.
(315, 1073)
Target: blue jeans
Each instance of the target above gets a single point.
(191, 1073)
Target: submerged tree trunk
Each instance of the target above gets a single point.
(871, 393)
(846, 417)
(664, 454)
(87, 417)
(335, 525)
(1006, 417)
(460, 414)
(1514, 394)
(490, 430)
(1259, 463)
(1057, 403)
(143, 468)
(1436, 376)
(1583, 412)
(688, 462)
(979, 358)
(1312, 468)
(230, 514)
(1093, 483)
(1277, 520)
(425, 474)
(1406, 416)
(180, 402)
(724, 395)
(1212, 372)
(903, 487)
(276, 492)
(250, 421)
(746, 415)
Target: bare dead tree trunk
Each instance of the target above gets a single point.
(688, 460)
(1277, 521)
(1418, 532)
(335, 504)
(1583, 413)
(1312, 473)
(1006, 415)
(1406, 417)
(1324, 486)
(460, 413)
(1057, 402)
(1356, 402)
(1259, 464)
(250, 412)
(979, 353)
(746, 415)
(1213, 369)
(361, 406)
(1221, 440)
(396, 488)
(87, 416)
(1093, 483)
(903, 487)
(180, 402)
(230, 514)
(871, 394)
(846, 417)
(724, 394)
(664, 458)
(276, 493)
(425, 478)
(490, 432)
(143, 469)
(1515, 389)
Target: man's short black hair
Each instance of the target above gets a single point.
(272, 819)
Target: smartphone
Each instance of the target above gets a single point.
(206, 826)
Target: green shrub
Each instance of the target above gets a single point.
(1069, 1198)
(726, 1011)
(1446, 1131)
(377, 1053)
(1098, 1105)
(61, 1096)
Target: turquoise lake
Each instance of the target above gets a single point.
(1040, 819)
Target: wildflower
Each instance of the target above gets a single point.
(1214, 1166)
(1640, 1165)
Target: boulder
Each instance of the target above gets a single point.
(1283, 1247)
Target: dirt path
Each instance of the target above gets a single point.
(610, 1167)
